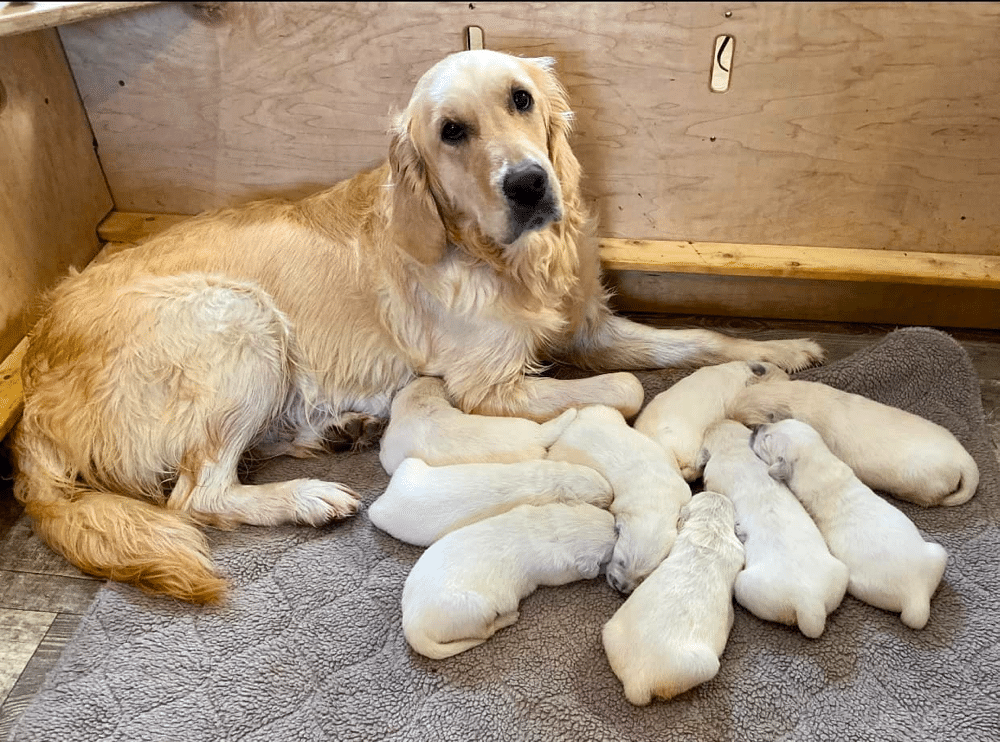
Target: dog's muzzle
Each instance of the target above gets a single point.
(529, 195)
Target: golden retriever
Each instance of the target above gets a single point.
(467, 255)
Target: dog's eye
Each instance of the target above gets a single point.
(522, 100)
(452, 132)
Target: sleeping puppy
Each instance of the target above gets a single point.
(468, 584)
(423, 503)
(890, 564)
(424, 424)
(678, 417)
(669, 634)
(790, 576)
(889, 449)
(649, 490)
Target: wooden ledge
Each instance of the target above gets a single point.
(18, 18)
(796, 262)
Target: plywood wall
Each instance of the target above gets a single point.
(869, 125)
(53, 193)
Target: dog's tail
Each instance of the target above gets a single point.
(968, 483)
(112, 536)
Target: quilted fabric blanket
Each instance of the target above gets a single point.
(309, 645)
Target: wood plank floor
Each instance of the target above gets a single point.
(42, 598)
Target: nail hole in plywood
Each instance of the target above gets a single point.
(722, 63)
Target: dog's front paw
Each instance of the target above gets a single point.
(317, 502)
(791, 355)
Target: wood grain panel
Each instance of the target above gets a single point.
(777, 298)
(53, 192)
(871, 125)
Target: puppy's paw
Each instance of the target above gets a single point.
(791, 355)
(317, 502)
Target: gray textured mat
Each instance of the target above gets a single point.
(309, 646)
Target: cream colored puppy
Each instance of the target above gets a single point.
(424, 424)
(890, 564)
(678, 417)
(649, 490)
(423, 503)
(889, 449)
(790, 576)
(669, 634)
(469, 583)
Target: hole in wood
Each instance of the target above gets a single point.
(722, 63)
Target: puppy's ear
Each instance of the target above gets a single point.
(415, 223)
(559, 125)
(682, 515)
(780, 470)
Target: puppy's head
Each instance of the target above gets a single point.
(719, 436)
(480, 154)
(781, 445)
(764, 371)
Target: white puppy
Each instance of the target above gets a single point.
(424, 424)
(423, 503)
(649, 490)
(678, 417)
(790, 576)
(889, 449)
(890, 564)
(669, 634)
(469, 583)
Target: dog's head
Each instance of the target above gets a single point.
(481, 154)
(780, 445)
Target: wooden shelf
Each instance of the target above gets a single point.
(19, 18)
(797, 262)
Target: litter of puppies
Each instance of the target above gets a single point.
(787, 522)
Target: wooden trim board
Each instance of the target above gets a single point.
(23, 17)
(11, 389)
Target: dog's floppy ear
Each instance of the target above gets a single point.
(780, 470)
(559, 126)
(415, 223)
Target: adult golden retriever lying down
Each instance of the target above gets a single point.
(465, 256)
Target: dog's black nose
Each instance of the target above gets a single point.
(526, 185)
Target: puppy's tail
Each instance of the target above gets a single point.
(437, 650)
(111, 536)
(811, 619)
(968, 483)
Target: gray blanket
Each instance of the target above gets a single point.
(309, 647)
